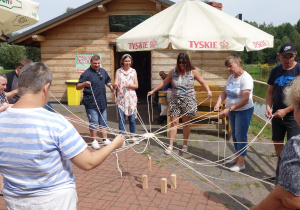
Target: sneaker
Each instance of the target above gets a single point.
(135, 140)
(237, 168)
(272, 179)
(106, 141)
(95, 144)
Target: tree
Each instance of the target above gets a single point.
(69, 9)
(10, 55)
(33, 53)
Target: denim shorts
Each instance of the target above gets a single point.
(96, 118)
(286, 125)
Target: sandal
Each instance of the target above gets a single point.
(184, 148)
(168, 150)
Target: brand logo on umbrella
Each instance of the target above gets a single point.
(153, 43)
(260, 44)
(21, 21)
(10, 4)
(224, 45)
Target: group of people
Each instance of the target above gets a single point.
(282, 106)
(183, 104)
(93, 82)
(27, 130)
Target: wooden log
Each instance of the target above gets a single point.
(164, 188)
(145, 182)
(173, 181)
(149, 162)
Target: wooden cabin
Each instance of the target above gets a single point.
(93, 28)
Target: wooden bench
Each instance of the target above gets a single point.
(205, 109)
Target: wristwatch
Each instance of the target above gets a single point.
(230, 109)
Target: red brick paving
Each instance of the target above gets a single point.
(104, 188)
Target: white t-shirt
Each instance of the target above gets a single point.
(234, 88)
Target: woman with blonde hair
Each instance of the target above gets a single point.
(237, 94)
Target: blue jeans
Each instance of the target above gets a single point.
(240, 122)
(95, 118)
(122, 121)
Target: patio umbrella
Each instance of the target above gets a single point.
(17, 14)
(194, 25)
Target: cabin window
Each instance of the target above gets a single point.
(123, 23)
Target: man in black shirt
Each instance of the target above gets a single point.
(283, 121)
(11, 90)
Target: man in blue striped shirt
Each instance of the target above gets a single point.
(38, 146)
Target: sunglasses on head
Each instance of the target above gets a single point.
(181, 62)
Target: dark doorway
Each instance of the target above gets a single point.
(142, 65)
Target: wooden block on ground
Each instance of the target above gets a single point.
(164, 186)
(145, 182)
(149, 163)
(173, 181)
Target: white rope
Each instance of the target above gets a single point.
(180, 159)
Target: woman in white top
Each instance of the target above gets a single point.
(238, 94)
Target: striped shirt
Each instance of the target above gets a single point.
(35, 148)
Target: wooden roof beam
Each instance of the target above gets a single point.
(158, 7)
(102, 8)
(38, 38)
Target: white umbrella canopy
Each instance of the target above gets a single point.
(17, 14)
(194, 25)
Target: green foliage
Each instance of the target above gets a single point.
(69, 9)
(282, 33)
(33, 53)
(4, 71)
(10, 55)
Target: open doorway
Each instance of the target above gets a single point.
(142, 65)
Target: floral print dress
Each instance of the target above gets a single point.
(126, 97)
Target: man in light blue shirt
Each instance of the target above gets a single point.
(37, 147)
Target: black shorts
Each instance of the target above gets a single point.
(282, 126)
(183, 106)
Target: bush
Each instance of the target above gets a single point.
(10, 55)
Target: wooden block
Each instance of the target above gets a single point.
(145, 182)
(149, 163)
(173, 181)
(164, 188)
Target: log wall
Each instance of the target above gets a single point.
(89, 33)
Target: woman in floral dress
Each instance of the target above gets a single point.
(125, 83)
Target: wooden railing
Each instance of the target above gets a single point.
(263, 101)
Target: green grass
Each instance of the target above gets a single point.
(236, 186)
(252, 68)
(4, 71)
(227, 205)
(256, 126)
(257, 185)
